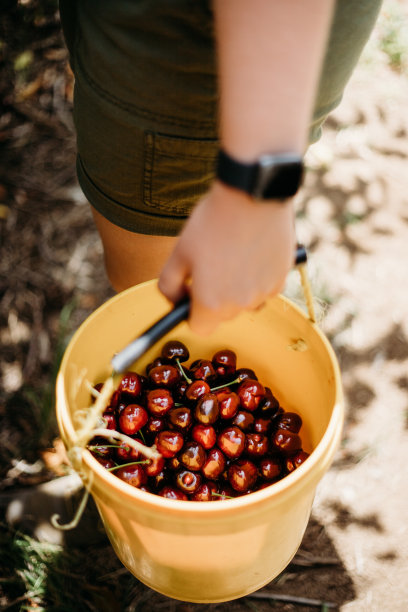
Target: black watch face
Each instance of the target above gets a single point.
(280, 180)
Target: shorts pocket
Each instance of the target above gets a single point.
(177, 171)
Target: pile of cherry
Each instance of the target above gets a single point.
(219, 431)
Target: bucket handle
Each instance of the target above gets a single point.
(133, 351)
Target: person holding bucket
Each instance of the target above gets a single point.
(192, 120)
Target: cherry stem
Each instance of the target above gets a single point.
(116, 467)
(180, 367)
(220, 495)
(227, 384)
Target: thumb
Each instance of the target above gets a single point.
(173, 277)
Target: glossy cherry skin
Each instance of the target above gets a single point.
(132, 418)
(193, 456)
(134, 475)
(179, 391)
(262, 425)
(250, 393)
(294, 461)
(228, 402)
(242, 475)
(286, 441)
(155, 466)
(110, 420)
(207, 410)
(175, 350)
(290, 421)
(164, 376)
(131, 384)
(180, 417)
(244, 373)
(196, 389)
(172, 493)
(256, 445)
(224, 362)
(205, 492)
(214, 465)
(244, 420)
(104, 461)
(155, 424)
(159, 401)
(202, 369)
(187, 481)
(270, 468)
(169, 443)
(231, 441)
(204, 435)
(268, 405)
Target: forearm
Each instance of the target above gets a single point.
(269, 55)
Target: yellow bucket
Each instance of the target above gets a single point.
(210, 551)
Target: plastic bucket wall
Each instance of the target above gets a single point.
(211, 551)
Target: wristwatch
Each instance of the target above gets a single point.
(271, 177)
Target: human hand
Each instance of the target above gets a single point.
(233, 253)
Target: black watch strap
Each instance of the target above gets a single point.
(270, 177)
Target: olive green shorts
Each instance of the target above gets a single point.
(145, 102)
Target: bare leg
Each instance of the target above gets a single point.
(131, 258)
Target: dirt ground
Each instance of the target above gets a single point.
(353, 217)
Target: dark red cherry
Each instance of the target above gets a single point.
(169, 443)
(214, 465)
(188, 481)
(286, 441)
(245, 373)
(104, 461)
(270, 468)
(132, 418)
(228, 402)
(179, 390)
(250, 393)
(155, 424)
(180, 417)
(224, 492)
(131, 384)
(262, 425)
(290, 421)
(224, 362)
(196, 389)
(155, 466)
(155, 364)
(244, 420)
(256, 445)
(164, 376)
(160, 480)
(159, 401)
(100, 450)
(231, 441)
(174, 350)
(172, 493)
(134, 475)
(242, 475)
(294, 461)
(174, 463)
(268, 405)
(202, 369)
(206, 410)
(193, 456)
(109, 420)
(205, 492)
(204, 435)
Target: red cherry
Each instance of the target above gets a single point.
(204, 435)
(224, 362)
(110, 420)
(205, 492)
(132, 418)
(155, 466)
(202, 369)
(125, 452)
(134, 475)
(207, 410)
(290, 421)
(164, 376)
(180, 417)
(169, 443)
(187, 481)
(228, 402)
(294, 461)
(270, 468)
(159, 401)
(196, 389)
(155, 424)
(244, 420)
(193, 456)
(214, 464)
(286, 441)
(242, 475)
(131, 384)
(172, 493)
(231, 441)
(262, 425)
(250, 393)
(174, 349)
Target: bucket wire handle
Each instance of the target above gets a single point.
(133, 351)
